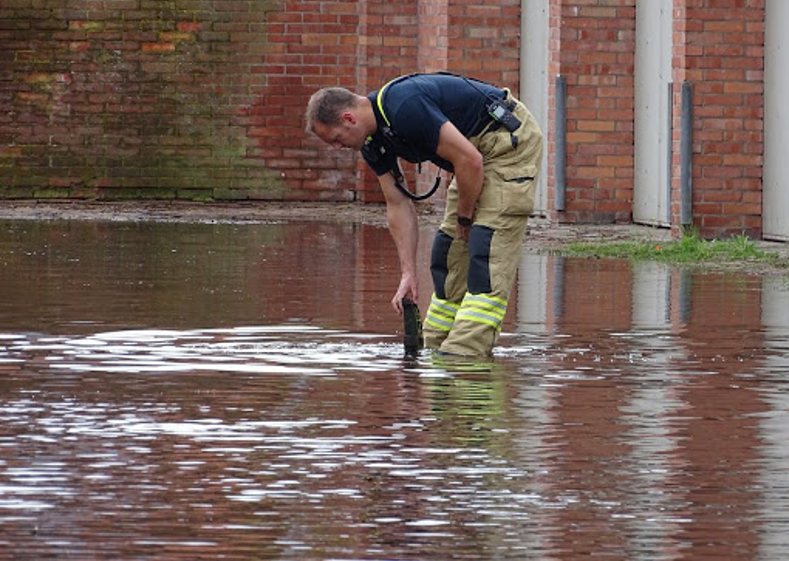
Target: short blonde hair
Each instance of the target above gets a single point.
(327, 104)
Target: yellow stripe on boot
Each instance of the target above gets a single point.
(441, 314)
(481, 308)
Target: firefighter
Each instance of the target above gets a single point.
(493, 146)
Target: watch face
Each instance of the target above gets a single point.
(464, 221)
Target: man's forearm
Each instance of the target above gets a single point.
(468, 164)
(469, 189)
(402, 220)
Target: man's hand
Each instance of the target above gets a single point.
(409, 288)
(463, 232)
(464, 227)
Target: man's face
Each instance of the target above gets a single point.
(347, 134)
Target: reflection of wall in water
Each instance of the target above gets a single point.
(774, 426)
(663, 354)
(612, 294)
(554, 290)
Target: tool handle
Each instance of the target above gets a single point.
(412, 328)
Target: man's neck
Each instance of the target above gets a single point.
(367, 116)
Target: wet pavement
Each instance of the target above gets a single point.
(178, 391)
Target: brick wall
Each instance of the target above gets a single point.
(484, 40)
(719, 49)
(310, 44)
(133, 99)
(205, 99)
(592, 43)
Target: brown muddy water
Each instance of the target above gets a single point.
(237, 391)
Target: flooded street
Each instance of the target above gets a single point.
(177, 391)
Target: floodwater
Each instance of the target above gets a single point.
(237, 391)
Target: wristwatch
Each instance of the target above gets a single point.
(465, 221)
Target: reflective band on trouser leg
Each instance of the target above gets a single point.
(480, 308)
(441, 314)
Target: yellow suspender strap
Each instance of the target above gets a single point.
(380, 100)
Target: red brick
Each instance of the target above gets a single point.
(158, 47)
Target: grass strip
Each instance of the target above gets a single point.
(689, 250)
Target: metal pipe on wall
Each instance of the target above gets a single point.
(669, 150)
(686, 153)
(560, 171)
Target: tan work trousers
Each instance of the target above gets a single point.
(472, 280)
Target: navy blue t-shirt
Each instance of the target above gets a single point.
(416, 108)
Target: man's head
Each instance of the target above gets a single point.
(340, 118)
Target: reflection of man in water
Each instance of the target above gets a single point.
(447, 120)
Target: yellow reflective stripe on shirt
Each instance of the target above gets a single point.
(441, 314)
(479, 308)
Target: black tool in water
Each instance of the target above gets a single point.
(412, 328)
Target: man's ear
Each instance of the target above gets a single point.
(348, 117)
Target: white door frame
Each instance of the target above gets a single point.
(776, 122)
(534, 80)
(652, 135)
